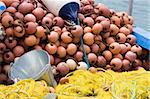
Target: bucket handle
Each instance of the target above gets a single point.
(51, 76)
(9, 74)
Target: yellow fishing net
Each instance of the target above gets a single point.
(24, 89)
(106, 85)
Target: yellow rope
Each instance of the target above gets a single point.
(106, 84)
(24, 89)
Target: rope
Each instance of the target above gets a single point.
(84, 51)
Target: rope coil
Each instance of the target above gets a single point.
(24, 89)
(106, 85)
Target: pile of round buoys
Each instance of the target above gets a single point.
(107, 35)
(105, 84)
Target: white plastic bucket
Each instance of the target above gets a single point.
(34, 64)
